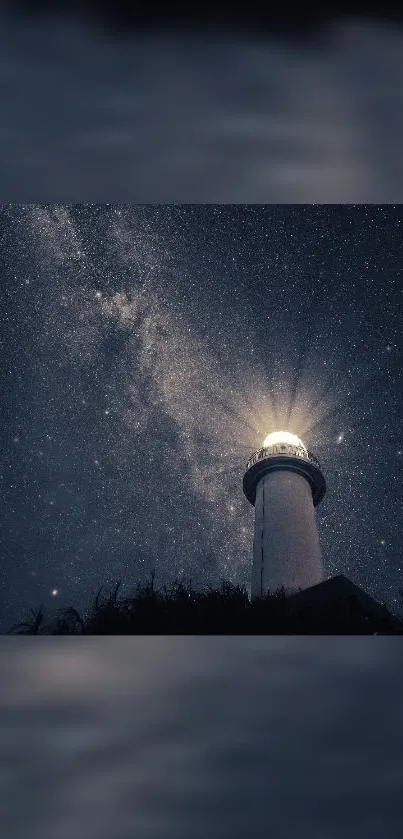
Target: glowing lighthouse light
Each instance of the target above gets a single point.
(283, 437)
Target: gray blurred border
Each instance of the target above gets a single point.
(201, 737)
(159, 118)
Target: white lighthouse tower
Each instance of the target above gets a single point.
(285, 483)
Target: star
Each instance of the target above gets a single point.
(181, 326)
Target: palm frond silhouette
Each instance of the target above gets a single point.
(33, 625)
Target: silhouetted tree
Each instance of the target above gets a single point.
(68, 622)
(33, 625)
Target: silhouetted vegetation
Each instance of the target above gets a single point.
(226, 610)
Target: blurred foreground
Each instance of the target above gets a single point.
(187, 738)
(88, 115)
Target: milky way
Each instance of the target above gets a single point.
(148, 352)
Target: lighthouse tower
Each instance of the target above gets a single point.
(285, 483)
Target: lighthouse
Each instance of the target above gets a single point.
(284, 482)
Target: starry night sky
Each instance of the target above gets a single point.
(147, 351)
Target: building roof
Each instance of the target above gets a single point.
(337, 592)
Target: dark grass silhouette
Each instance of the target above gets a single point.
(226, 610)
